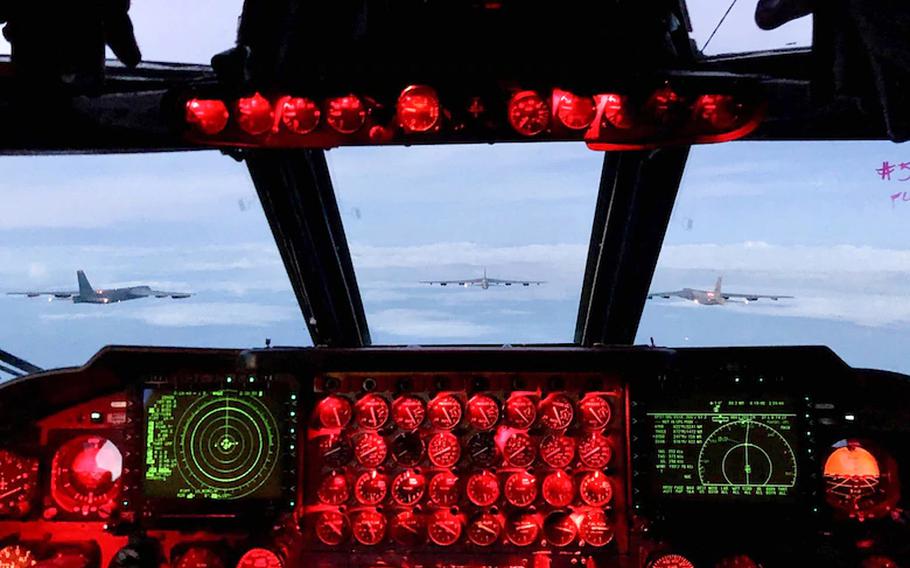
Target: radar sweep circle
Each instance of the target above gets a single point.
(746, 452)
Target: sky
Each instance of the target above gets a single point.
(812, 220)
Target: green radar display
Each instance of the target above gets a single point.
(213, 445)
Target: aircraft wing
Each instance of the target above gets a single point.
(175, 295)
(36, 293)
(652, 295)
(466, 282)
(754, 297)
(500, 282)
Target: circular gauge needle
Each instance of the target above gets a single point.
(448, 529)
(12, 491)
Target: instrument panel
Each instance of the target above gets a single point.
(551, 457)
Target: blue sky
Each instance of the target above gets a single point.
(811, 220)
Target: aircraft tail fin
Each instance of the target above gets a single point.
(717, 285)
(85, 288)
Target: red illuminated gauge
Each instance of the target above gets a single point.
(334, 412)
(15, 556)
(208, 116)
(483, 412)
(483, 488)
(595, 489)
(408, 488)
(595, 412)
(671, 561)
(260, 558)
(418, 108)
(529, 114)
(594, 450)
(371, 488)
(370, 449)
(332, 528)
(407, 449)
(334, 450)
(334, 489)
(346, 115)
(556, 412)
(443, 449)
(18, 484)
(485, 530)
(615, 111)
(557, 450)
(443, 489)
(573, 111)
(372, 411)
(560, 529)
(300, 115)
(368, 527)
(595, 529)
(521, 489)
(408, 412)
(662, 104)
(520, 412)
(444, 528)
(254, 114)
(86, 476)
(482, 449)
(445, 411)
(519, 450)
(557, 489)
(523, 530)
(407, 528)
(199, 557)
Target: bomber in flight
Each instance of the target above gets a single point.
(716, 297)
(88, 295)
(484, 282)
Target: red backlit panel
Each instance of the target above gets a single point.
(501, 463)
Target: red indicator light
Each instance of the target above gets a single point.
(418, 109)
(529, 114)
(521, 489)
(519, 450)
(334, 412)
(594, 450)
(671, 561)
(86, 476)
(485, 530)
(333, 489)
(595, 529)
(595, 412)
(260, 558)
(557, 450)
(615, 111)
(560, 529)
(407, 449)
(483, 488)
(483, 412)
(520, 412)
(445, 411)
(444, 528)
(299, 115)
(556, 412)
(371, 488)
(207, 115)
(254, 114)
(444, 490)
(407, 529)
(595, 489)
(443, 449)
(370, 449)
(368, 527)
(332, 528)
(408, 488)
(573, 111)
(408, 412)
(523, 530)
(558, 489)
(372, 412)
(346, 115)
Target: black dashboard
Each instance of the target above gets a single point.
(455, 457)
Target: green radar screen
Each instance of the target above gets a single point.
(213, 445)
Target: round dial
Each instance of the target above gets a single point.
(334, 489)
(346, 114)
(560, 529)
(445, 411)
(371, 488)
(482, 449)
(594, 450)
(520, 412)
(370, 449)
(558, 489)
(443, 489)
(529, 114)
(18, 484)
(519, 450)
(595, 412)
(521, 489)
(556, 412)
(86, 476)
(444, 528)
(671, 561)
(15, 556)
(595, 489)
(199, 557)
(595, 529)
(443, 449)
(483, 488)
(372, 412)
(368, 527)
(260, 558)
(407, 528)
(332, 528)
(334, 450)
(418, 108)
(408, 488)
(407, 449)
(483, 412)
(523, 530)
(557, 450)
(300, 115)
(575, 112)
(334, 412)
(408, 412)
(485, 529)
